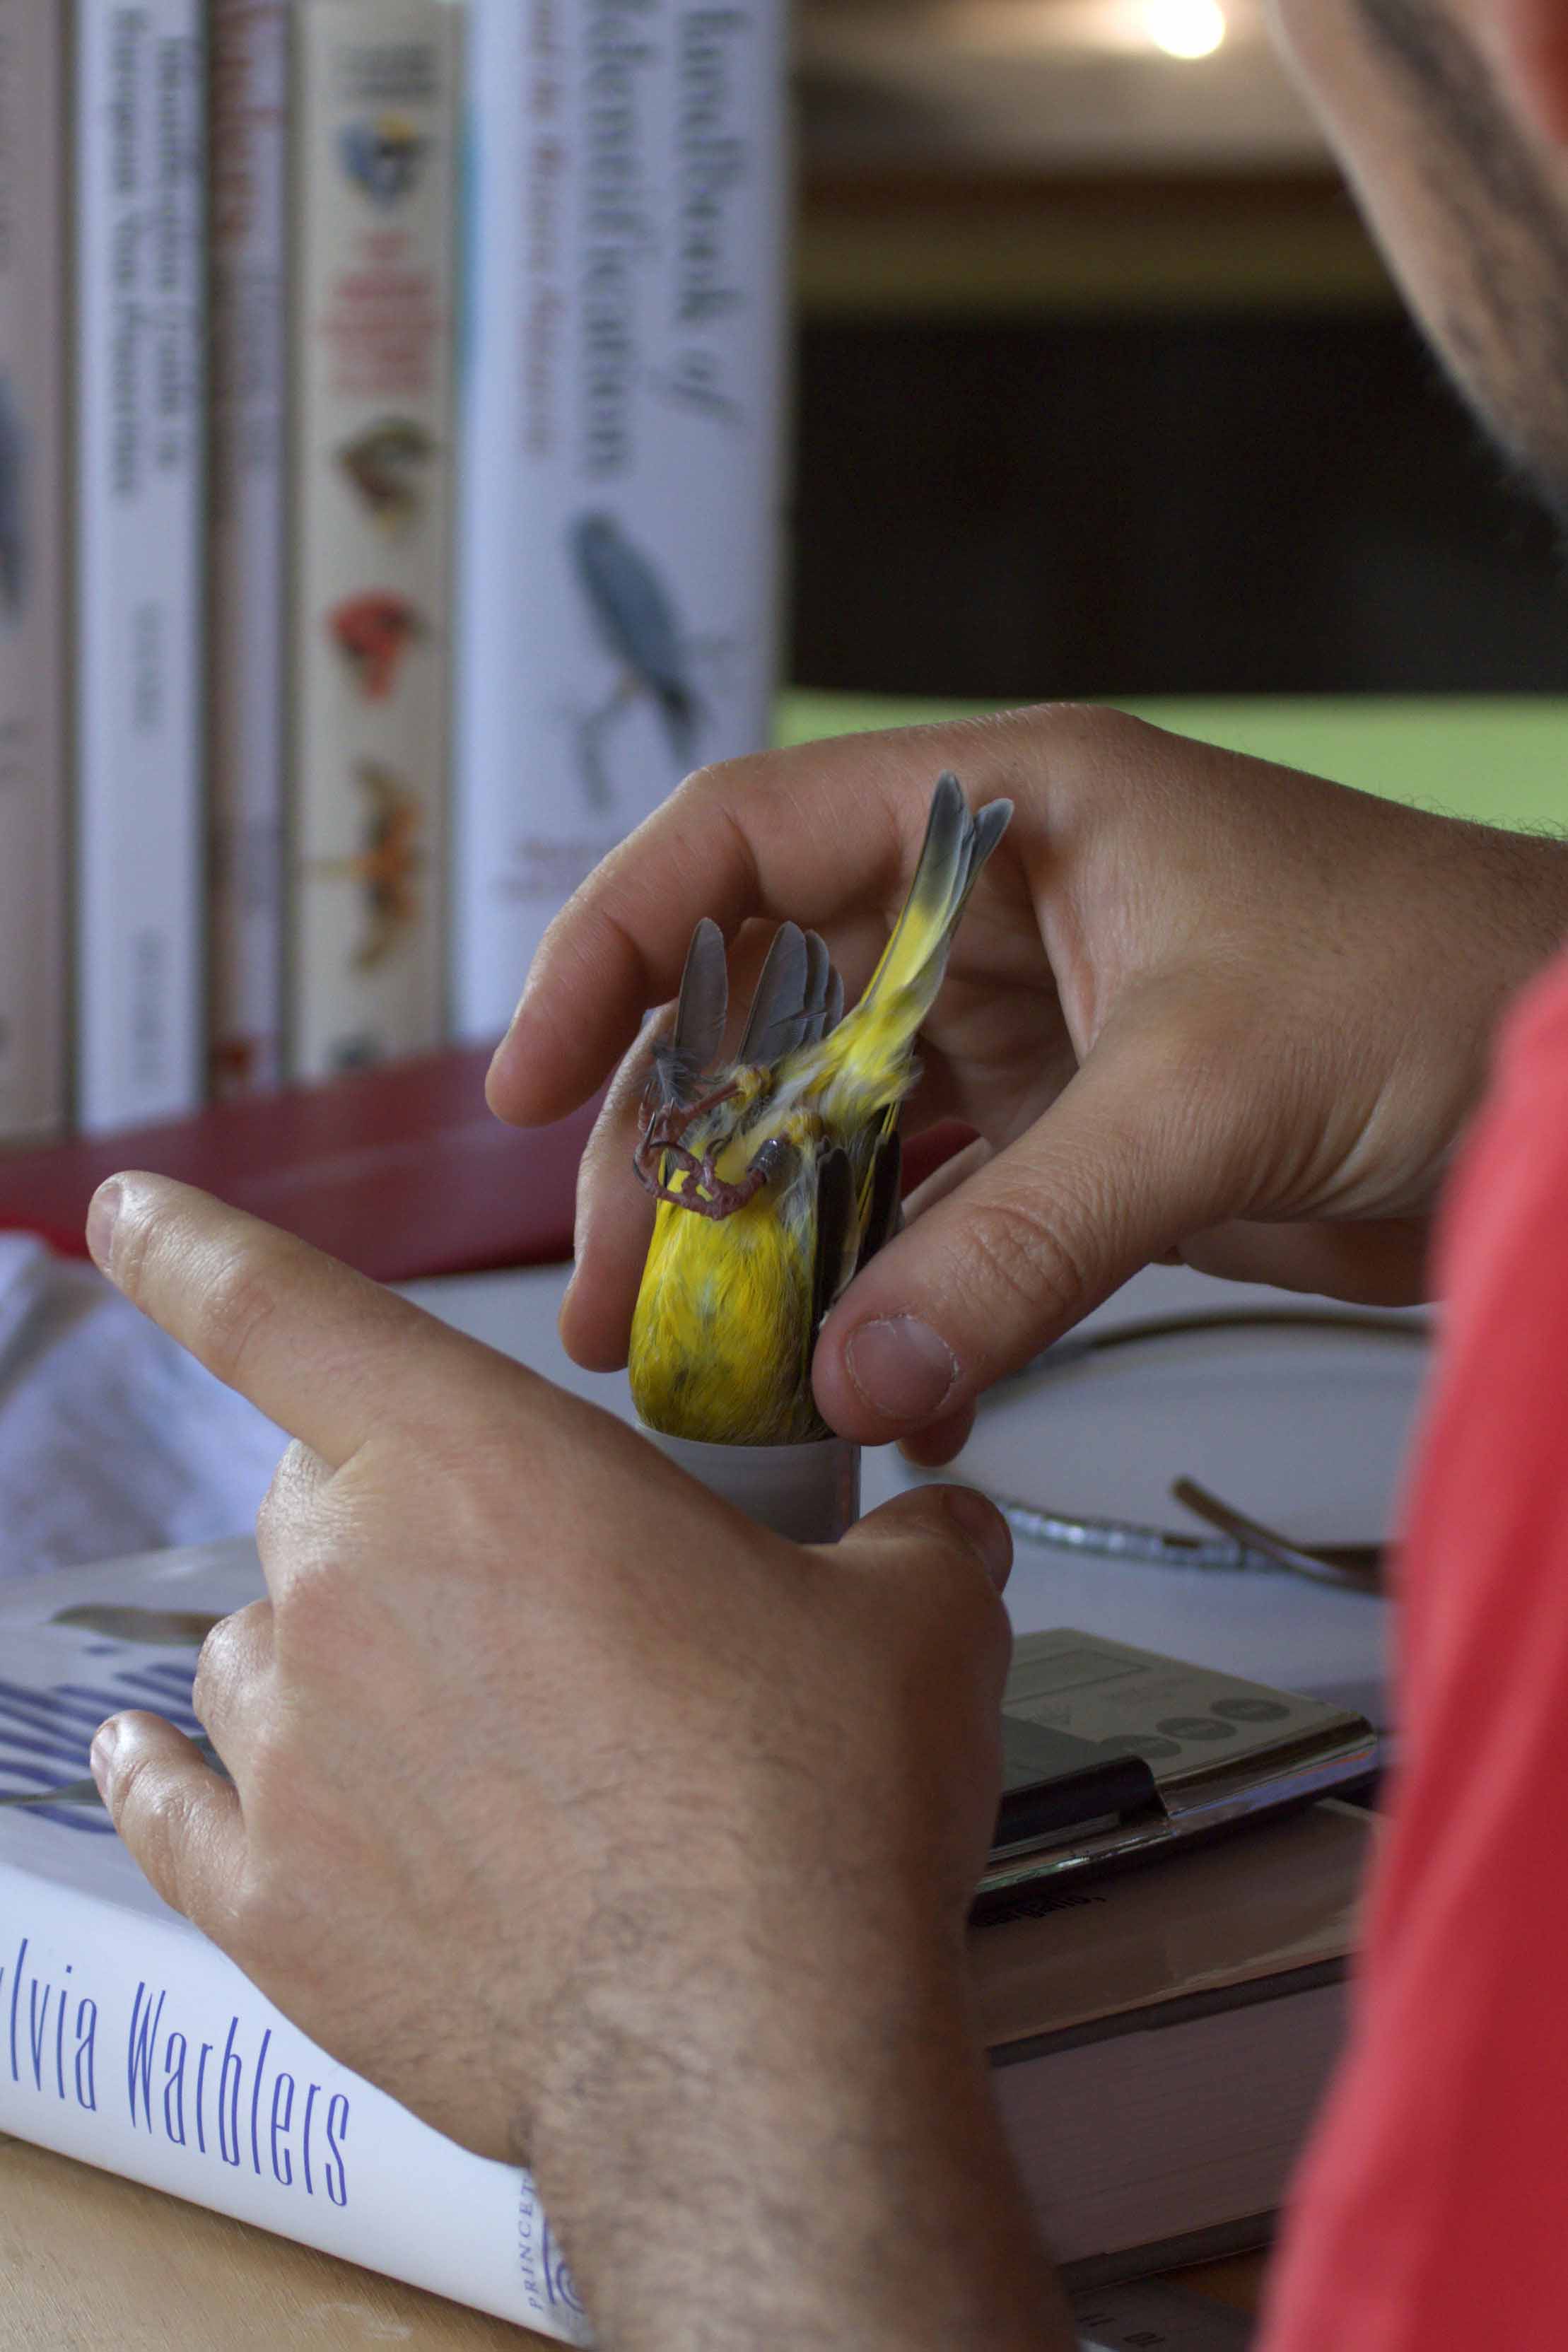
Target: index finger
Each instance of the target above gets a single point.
(807, 833)
(325, 1353)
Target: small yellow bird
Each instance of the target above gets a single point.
(778, 1174)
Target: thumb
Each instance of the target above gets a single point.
(936, 1559)
(1132, 1155)
(949, 1523)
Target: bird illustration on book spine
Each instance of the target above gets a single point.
(777, 1172)
(635, 615)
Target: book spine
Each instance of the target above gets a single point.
(131, 2043)
(624, 386)
(140, 406)
(245, 537)
(34, 533)
(377, 93)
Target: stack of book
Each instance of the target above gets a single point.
(390, 401)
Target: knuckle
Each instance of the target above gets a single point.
(238, 1306)
(289, 1492)
(1081, 726)
(1016, 1251)
(213, 1671)
(232, 1650)
(722, 779)
(970, 1610)
(272, 1514)
(154, 1811)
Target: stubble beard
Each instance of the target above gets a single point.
(1500, 324)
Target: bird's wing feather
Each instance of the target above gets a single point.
(777, 1017)
(797, 996)
(882, 1211)
(692, 1046)
(704, 1003)
(818, 988)
(835, 1218)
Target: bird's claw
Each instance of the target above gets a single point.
(706, 1192)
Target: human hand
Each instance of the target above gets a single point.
(1199, 1007)
(651, 1836)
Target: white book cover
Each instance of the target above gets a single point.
(624, 392)
(377, 90)
(139, 410)
(129, 2042)
(248, 277)
(33, 565)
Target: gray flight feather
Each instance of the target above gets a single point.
(885, 1214)
(14, 547)
(835, 1218)
(681, 1059)
(777, 1017)
(818, 983)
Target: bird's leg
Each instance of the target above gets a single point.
(715, 1198)
(668, 1122)
(706, 1194)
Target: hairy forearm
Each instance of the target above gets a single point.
(795, 2165)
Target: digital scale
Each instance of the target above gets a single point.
(1113, 1755)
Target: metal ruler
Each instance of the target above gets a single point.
(1154, 2318)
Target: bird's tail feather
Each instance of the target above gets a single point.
(878, 1035)
(956, 846)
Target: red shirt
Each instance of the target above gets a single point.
(1432, 2207)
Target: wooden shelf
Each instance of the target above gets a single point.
(928, 246)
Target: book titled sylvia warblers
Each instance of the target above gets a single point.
(129, 2041)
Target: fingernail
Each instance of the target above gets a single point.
(100, 1757)
(102, 1211)
(985, 1528)
(902, 1369)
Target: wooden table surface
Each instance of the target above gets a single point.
(89, 2260)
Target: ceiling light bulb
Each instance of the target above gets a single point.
(1185, 28)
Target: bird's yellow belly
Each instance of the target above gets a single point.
(719, 1347)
